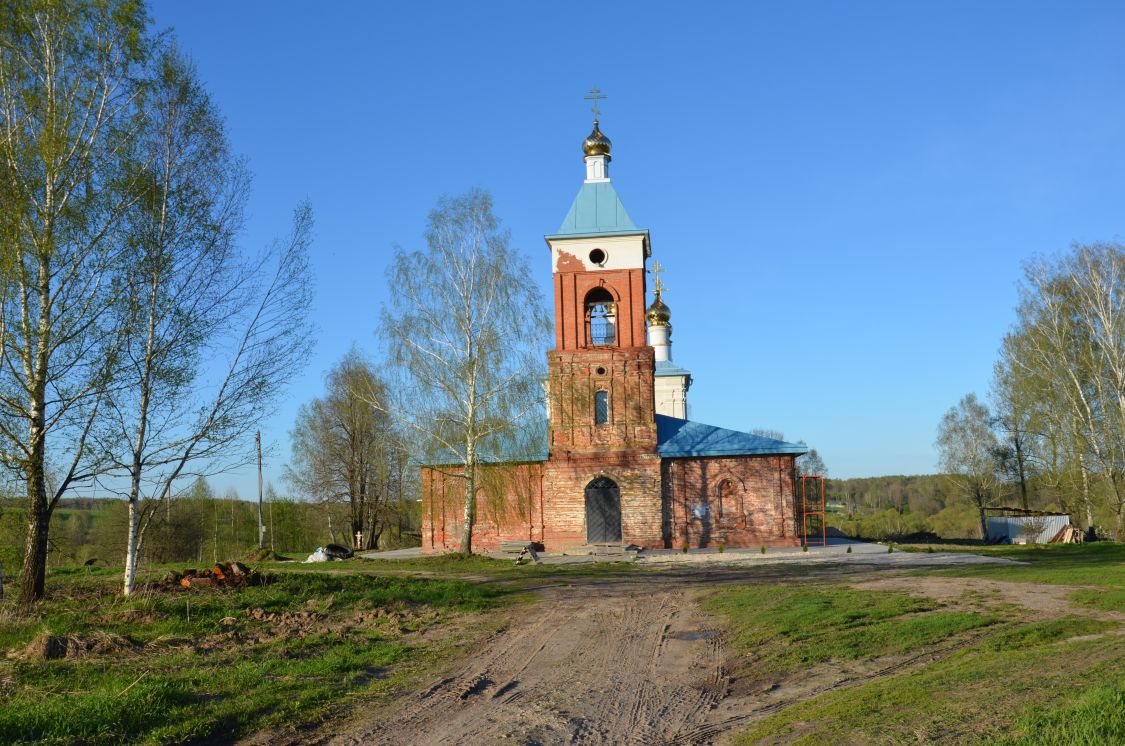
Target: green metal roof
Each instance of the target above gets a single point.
(595, 210)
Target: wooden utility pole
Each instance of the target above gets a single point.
(261, 523)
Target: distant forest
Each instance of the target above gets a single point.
(198, 528)
(894, 507)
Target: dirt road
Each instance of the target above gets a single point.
(592, 664)
(625, 661)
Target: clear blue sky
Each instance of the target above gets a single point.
(842, 193)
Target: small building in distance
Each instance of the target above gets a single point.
(620, 461)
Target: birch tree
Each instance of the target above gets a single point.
(67, 100)
(967, 450)
(465, 330)
(212, 337)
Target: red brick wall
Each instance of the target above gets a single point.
(756, 508)
(627, 286)
(627, 375)
(509, 506)
(546, 502)
(637, 474)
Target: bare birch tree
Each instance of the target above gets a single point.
(191, 301)
(67, 93)
(465, 327)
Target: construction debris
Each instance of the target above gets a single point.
(1068, 534)
(222, 575)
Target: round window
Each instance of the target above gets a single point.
(601, 371)
(597, 256)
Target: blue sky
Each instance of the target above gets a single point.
(842, 193)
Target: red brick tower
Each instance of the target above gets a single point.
(602, 481)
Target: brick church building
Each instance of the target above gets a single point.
(620, 461)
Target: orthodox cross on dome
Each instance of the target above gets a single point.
(595, 95)
(658, 287)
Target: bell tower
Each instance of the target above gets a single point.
(601, 371)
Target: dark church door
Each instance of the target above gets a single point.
(603, 511)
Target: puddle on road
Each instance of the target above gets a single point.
(693, 634)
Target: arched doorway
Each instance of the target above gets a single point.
(603, 511)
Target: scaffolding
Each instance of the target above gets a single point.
(814, 529)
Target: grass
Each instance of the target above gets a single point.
(201, 667)
(1018, 681)
(1022, 694)
(786, 628)
(1099, 564)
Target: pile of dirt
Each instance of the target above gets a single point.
(222, 575)
(46, 646)
(310, 621)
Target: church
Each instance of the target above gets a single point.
(621, 463)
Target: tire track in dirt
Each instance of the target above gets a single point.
(583, 666)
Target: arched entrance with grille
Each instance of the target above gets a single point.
(603, 511)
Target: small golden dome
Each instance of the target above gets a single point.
(596, 143)
(658, 314)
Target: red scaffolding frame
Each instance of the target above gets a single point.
(812, 512)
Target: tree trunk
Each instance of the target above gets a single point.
(1022, 471)
(470, 501)
(35, 554)
(983, 519)
(131, 558)
(1085, 491)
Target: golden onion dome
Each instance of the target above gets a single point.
(596, 143)
(658, 314)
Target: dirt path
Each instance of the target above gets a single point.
(632, 661)
(584, 665)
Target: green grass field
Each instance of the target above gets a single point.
(975, 672)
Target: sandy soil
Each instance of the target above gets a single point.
(632, 661)
(593, 664)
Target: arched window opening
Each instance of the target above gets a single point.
(601, 317)
(727, 499)
(601, 407)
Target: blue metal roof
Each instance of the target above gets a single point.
(679, 438)
(597, 210)
(675, 438)
(668, 368)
